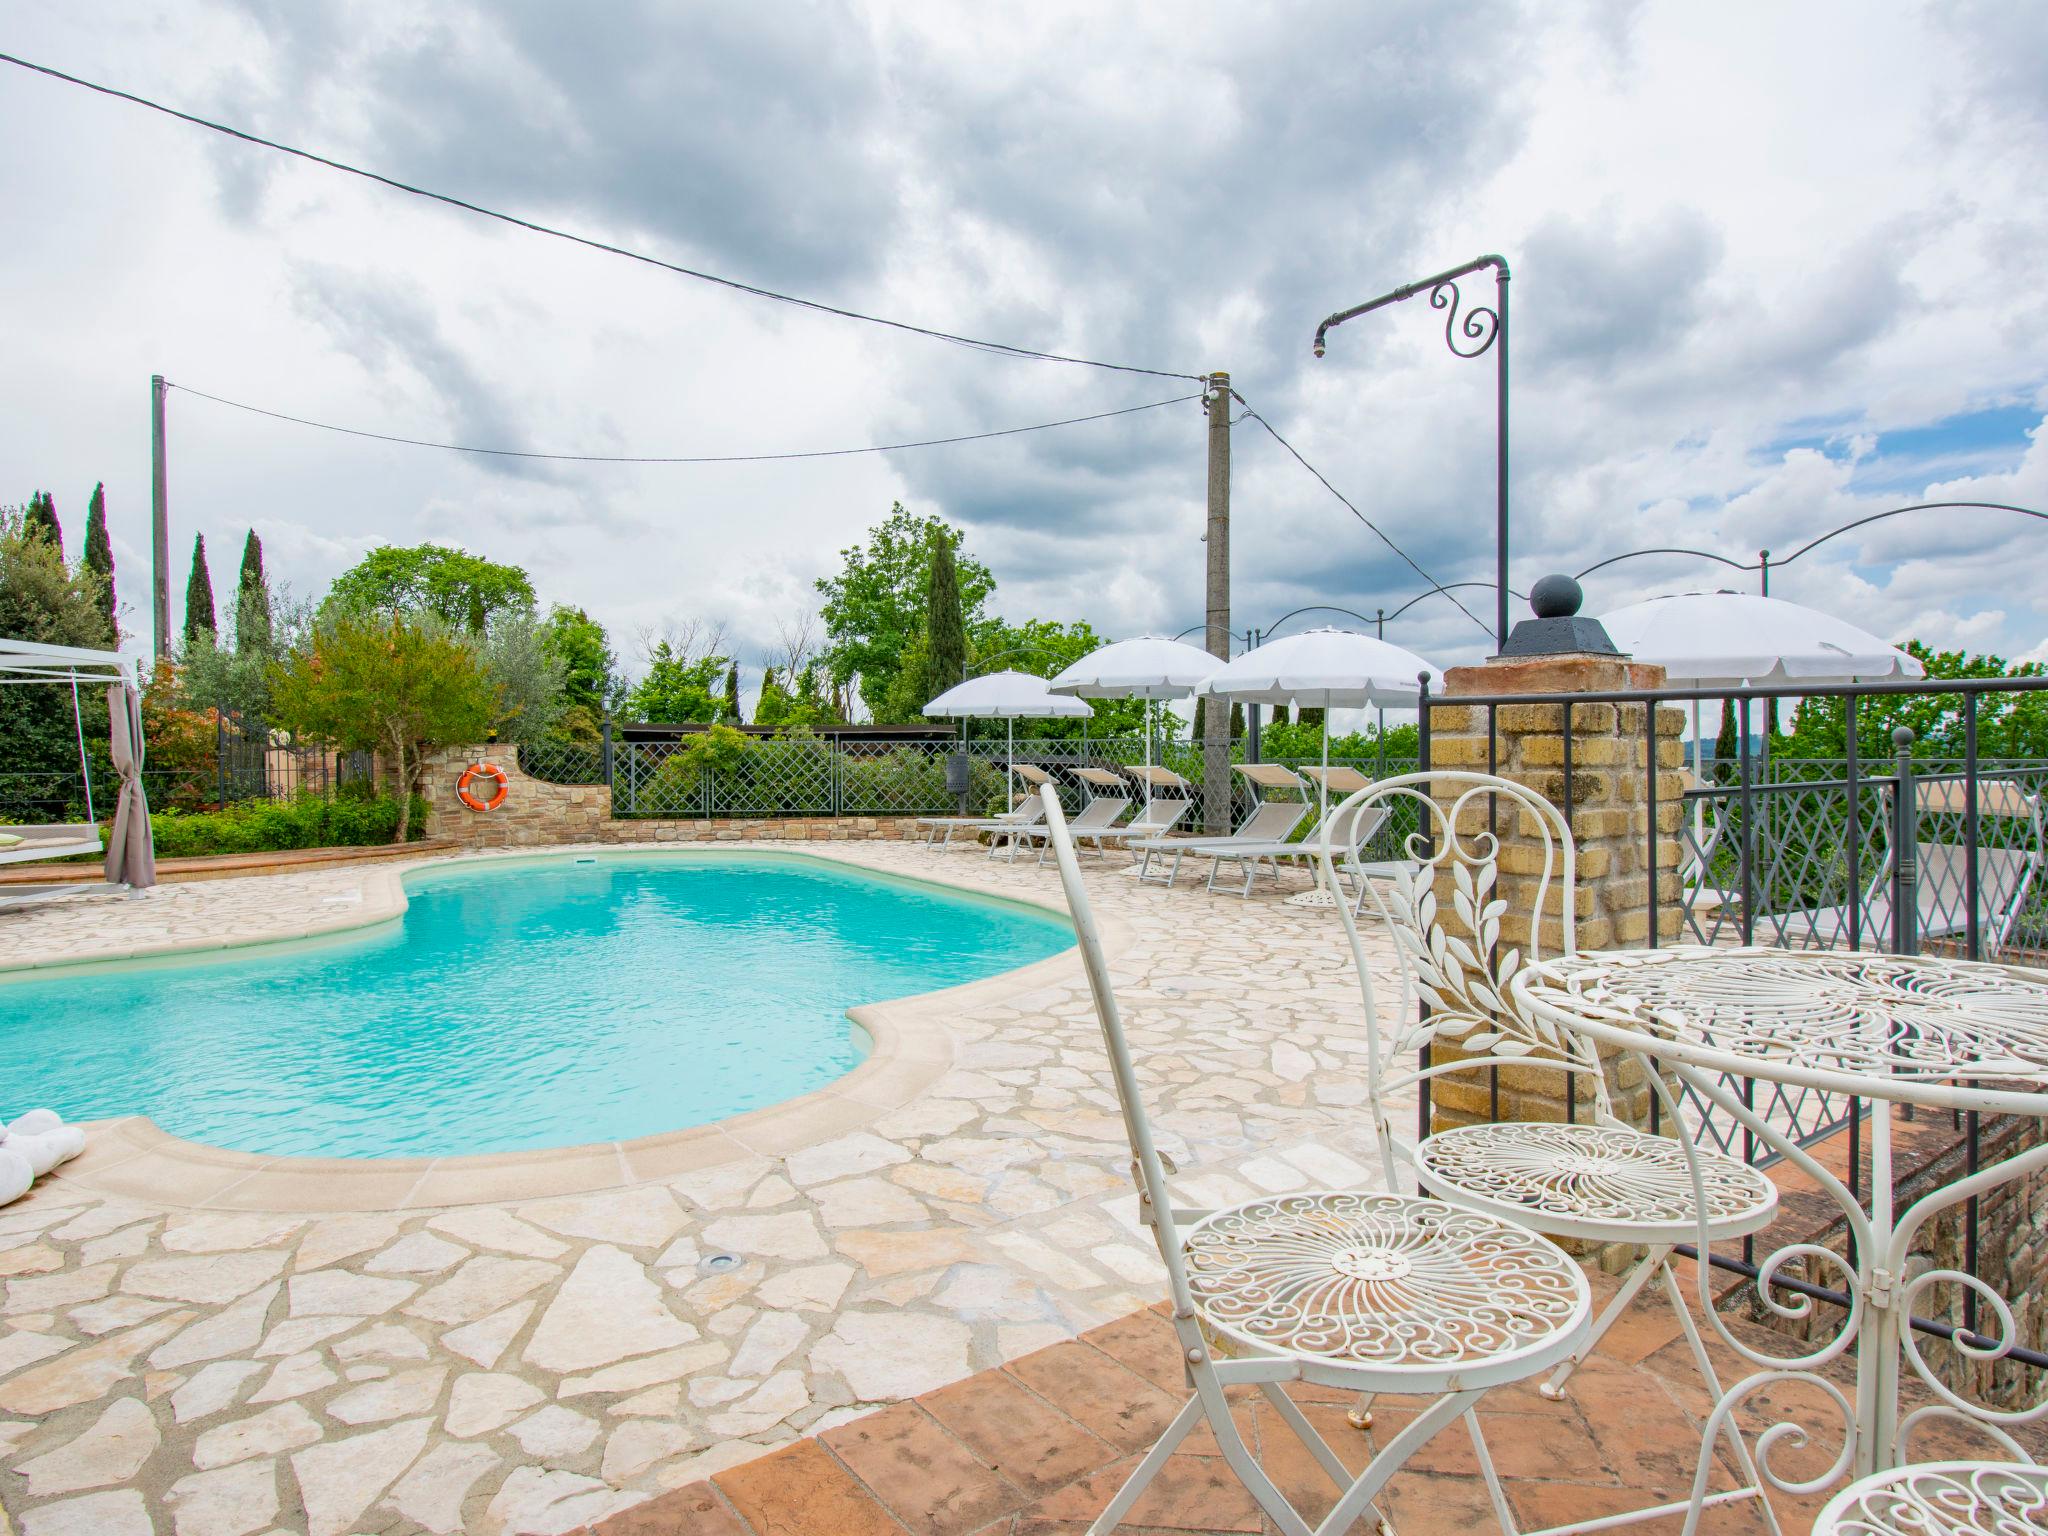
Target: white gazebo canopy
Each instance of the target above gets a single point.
(30, 661)
(1729, 639)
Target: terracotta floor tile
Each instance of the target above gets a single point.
(1419, 1504)
(925, 1477)
(692, 1510)
(1018, 1432)
(1191, 1493)
(1145, 1343)
(1290, 1464)
(1554, 1444)
(802, 1491)
(1088, 1386)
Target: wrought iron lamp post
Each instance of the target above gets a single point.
(1481, 329)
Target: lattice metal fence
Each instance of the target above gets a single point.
(803, 777)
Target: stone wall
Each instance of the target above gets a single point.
(538, 814)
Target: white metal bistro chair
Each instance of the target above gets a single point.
(1941, 1498)
(1596, 1179)
(1350, 1289)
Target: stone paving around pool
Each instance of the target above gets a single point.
(536, 1364)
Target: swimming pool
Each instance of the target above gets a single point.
(541, 1004)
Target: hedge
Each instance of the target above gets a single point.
(267, 826)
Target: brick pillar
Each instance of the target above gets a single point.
(1609, 815)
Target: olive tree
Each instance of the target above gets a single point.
(382, 683)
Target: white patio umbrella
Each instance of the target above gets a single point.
(1006, 696)
(1148, 667)
(1729, 639)
(1324, 669)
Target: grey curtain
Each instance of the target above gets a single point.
(131, 851)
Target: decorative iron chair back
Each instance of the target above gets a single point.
(1155, 1197)
(1454, 985)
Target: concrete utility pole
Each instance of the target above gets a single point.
(1216, 715)
(159, 522)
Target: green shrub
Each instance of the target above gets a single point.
(268, 826)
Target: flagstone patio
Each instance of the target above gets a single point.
(215, 1345)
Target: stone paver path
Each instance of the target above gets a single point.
(534, 1365)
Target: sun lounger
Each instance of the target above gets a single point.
(1108, 798)
(2005, 876)
(1155, 817)
(1270, 821)
(1026, 809)
(49, 842)
(1349, 831)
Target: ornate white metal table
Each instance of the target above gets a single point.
(1945, 1034)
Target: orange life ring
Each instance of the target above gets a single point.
(477, 771)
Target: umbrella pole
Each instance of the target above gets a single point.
(1323, 789)
(1148, 759)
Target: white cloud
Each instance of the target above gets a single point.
(1732, 228)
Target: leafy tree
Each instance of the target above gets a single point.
(732, 696)
(772, 707)
(252, 600)
(199, 616)
(41, 520)
(386, 683)
(2008, 724)
(452, 585)
(677, 689)
(44, 602)
(1044, 647)
(945, 626)
(590, 671)
(526, 677)
(211, 675)
(99, 559)
(880, 598)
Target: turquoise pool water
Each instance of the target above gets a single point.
(542, 1005)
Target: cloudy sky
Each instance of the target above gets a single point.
(1775, 267)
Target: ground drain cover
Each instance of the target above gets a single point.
(716, 1262)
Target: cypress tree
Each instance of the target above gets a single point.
(945, 625)
(42, 518)
(199, 596)
(99, 559)
(1308, 716)
(252, 600)
(1196, 731)
(1236, 721)
(732, 696)
(1725, 746)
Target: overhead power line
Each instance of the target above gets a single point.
(1409, 559)
(735, 284)
(677, 458)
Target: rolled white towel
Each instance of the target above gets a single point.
(41, 1152)
(70, 1141)
(35, 1122)
(15, 1175)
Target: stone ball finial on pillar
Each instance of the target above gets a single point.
(1558, 629)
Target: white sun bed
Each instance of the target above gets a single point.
(60, 841)
(1270, 821)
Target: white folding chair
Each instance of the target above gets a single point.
(1598, 1179)
(1340, 1288)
